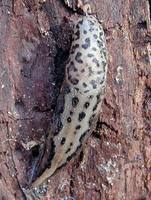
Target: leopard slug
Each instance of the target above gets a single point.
(80, 98)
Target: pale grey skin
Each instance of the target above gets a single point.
(80, 96)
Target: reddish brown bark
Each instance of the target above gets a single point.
(34, 42)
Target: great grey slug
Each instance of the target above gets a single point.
(80, 98)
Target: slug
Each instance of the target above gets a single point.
(81, 95)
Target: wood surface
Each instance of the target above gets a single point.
(35, 39)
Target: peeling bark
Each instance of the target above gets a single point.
(34, 43)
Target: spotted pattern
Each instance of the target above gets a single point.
(96, 62)
(68, 150)
(78, 127)
(81, 116)
(83, 135)
(69, 120)
(84, 85)
(78, 57)
(77, 35)
(74, 81)
(74, 47)
(75, 101)
(86, 45)
(86, 105)
(93, 83)
(63, 141)
(82, 93)
(88, 56)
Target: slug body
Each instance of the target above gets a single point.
(80, 98)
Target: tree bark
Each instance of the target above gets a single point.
(115, 162)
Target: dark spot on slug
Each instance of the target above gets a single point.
(91, 29)
(94, 84)
(91, 23)
(83, 135)
(83, 70)
(85, 32)
(98, 97)
(81, 22)
(95, 36)
(74, 81)
(86, 105)
(102, 81)
(94, 49)
(71, 144)
(74, 47)
(77, 75)
(68, 150)
(84, 85)
(86, 91)
(78, 57)
(90, 55)
(66, 89)
(95, 107)
(99, 72)
(99, 44)
(77, 34)
(91, 97)
(96, 62)
(63, 141)
(81, 116)
(90, 71)
(104, 64)
(100, 35)
(69, 120)
(86, 44)
(75, 101)
(71, 113)
(76, 88)
(78, 127)
(105, 54)
(70, 157)
(73, 154)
